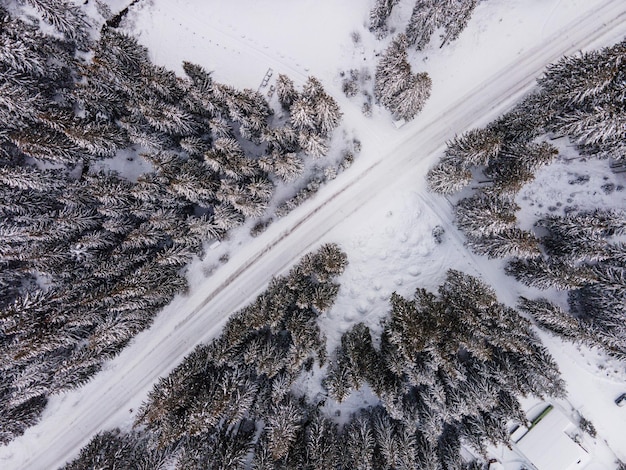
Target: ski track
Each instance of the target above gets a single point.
(107, 398)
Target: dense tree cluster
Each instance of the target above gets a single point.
(396, 87)
(584, 256)
(114, 449)
(229, 405)
(233, 396)
(88, 257)
(448, 371)
(314, 114)
(581, 98)
(427, 17)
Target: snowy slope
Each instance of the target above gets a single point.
(389, 174)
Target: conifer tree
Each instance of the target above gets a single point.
(327, 114)
(396, 88)
(485, 214)
(359, 444)
(322, 448)
(286, 91)
(580, 93)
(474, 148)
(448, 177)
(379, 14)
(552, 317)
(428, 15)
(67, 19)
(513, 242)
(282, 429)
(537, 272)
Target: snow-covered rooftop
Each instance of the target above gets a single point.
(548, 445)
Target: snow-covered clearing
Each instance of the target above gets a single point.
(378, 210)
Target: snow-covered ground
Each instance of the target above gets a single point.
(378, 210)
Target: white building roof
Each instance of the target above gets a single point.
(548, 447)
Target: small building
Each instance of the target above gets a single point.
(549, 443)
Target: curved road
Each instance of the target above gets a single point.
(108, 398)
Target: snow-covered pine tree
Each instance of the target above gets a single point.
(303, 114)
(537, 272)
(602, 223)
(66, 18)
(379, 14)
(286, 91)
(108, 448)
(340, 379)
(167, 118)
(449, 448)
(410, 101)
(395, 87)
(448, 177)
(359, 443)
(581, 92)
(328, 114)
(27, 178)
(552, 317)
(517, 163)
(385, 431)
(322, 443)
(45, 144)
(312, 143)
(460, 13)
(474, 148)
(225, 449)
(282, 139)
(484, 214)
(511, 242)
(429, 15)
(423, 22)
(282, 428)
(15, 420)
(287, 167)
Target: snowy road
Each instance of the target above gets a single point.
(106, 400)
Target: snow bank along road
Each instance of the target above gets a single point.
(106, 400)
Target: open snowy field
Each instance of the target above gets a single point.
(378, 211)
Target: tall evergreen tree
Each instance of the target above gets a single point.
(429, 15)
(379, 14)
(400, 91)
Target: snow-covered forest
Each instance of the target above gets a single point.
(448, 370)
(408, 308)
(576, 250)
(89, 255)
